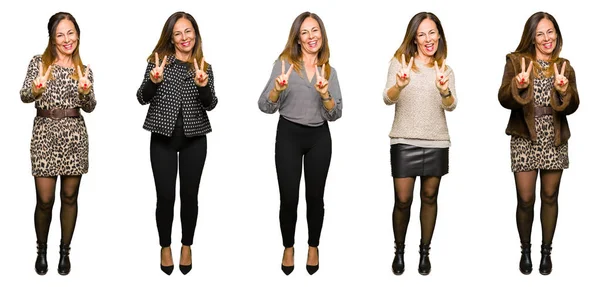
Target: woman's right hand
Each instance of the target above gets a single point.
(523, 77)
(39, 84)
(281, 82)
(156, 75)
(403, 76)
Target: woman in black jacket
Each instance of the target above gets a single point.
(179, 92)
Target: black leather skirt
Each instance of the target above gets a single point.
(411, 161)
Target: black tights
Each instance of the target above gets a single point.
(45, 189)
(525, 182)
(403, 199)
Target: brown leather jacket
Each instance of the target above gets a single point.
(521, 104)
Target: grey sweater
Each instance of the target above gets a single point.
(300, 102)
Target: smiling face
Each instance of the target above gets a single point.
(427, 39)
(310, 36)
(545, 39)
(65, 38)
(183, 37)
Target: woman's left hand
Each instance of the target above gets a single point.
(84, 85)
(441, 77)
(322, 84)
(560, 81)
(201, 78)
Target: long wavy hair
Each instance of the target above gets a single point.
(165, 46)
(408, 48)
(293, 50)
(50, 54)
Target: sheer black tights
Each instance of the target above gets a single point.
(45, 188)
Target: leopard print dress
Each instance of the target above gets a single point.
(58, 146)
(527, 155)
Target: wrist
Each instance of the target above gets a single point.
(445, 93)
(326, 97)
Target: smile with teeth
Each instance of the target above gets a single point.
(548, 45)
(312, 44)
(185, 44)
(429, 47)
(68, 46)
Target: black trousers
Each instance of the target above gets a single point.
(164, 159)
(295, 142)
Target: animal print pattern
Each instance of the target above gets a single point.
(527, 155)
(58, 146)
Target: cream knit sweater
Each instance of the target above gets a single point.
(420, 114)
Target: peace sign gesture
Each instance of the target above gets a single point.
(84, 85)
(281, 82)
(441, 76)
(156, 75)
(39, 83)
(560, 81)
(523, 77)
(201, 78)
(322, 84)
(403, 76)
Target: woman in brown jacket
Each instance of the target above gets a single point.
(540, 90)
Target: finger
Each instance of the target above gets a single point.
(443, 66)
(156, 59)
(562, 70)
(41, 69)
(202, 64)
(289, 72)
(403, 61)
(530, 67)
(317, 71)
(522, 64)
(410, 64)
(282, 67)
(79, 72)
(555, 71)
(164, 63)
(47, 74)
(437, 69)
(196, 64)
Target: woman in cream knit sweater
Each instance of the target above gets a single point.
(422, 91)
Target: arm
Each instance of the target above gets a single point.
(391, 94)
(332, 109)
(147, 90)
(33, 71)
(449, 103)
(207, 93)
(269, 98)
(88, 102)
(568, 102)
(509, 95)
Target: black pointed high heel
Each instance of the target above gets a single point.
(41, 264)
(185, 269)
(64, 263)
(166, 269)
(288, 269)
(311, 269)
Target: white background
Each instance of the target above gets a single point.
(237, 240)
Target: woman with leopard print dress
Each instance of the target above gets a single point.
(59, 143)
(540, 90)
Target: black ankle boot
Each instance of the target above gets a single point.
(64, 264)
(424, 264)
(41, 264)
(525, 265)
(546, 261)
(398, 263)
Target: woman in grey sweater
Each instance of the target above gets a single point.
(304, 88)
(422, 91)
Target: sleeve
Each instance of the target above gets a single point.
(509, 95)
(569, 102)
(207, 94)
(147, 89)
(452, 87)
(88, 102)
(391, 80)
(336, 94)
(32, 72)
(264, 103)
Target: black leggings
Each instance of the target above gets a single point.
(294, 142)
(163, 156)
